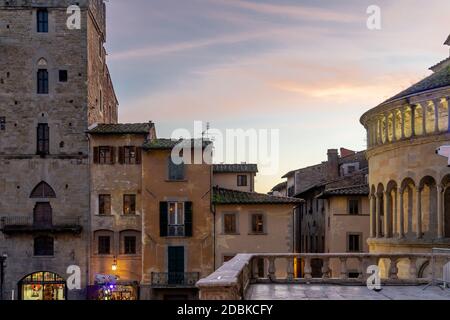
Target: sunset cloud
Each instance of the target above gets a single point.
(304, 67)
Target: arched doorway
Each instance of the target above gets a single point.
(42, 285)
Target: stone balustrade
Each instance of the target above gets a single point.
(231, 281)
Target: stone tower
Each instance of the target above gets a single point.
(54, 84)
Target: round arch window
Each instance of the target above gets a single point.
(42, 286)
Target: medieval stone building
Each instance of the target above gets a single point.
(54, 83)
(409, 181)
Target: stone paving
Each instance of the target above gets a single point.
(334, 292)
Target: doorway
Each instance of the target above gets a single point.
(42, 216)
(176, 265)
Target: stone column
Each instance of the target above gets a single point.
(413, 120)
(378, 215)
(419, 212)
(401, 229)
(387, 214)
(403, 123)
(436, 103)
(395, 215)
(440, 211)
(372, 217)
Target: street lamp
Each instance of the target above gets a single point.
(114, 264)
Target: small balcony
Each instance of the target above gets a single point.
(175, 279)
(176, 230)
(24, 225)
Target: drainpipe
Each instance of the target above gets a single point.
(213, 210)
(88, 224)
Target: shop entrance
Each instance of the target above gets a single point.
(42, 286)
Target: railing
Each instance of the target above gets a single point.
(176, 230)
(174, 279)
(19, 224)
(230, 282)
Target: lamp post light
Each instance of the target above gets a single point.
(114, 264)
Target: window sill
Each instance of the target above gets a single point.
(230, 234)
(129, 215)
(257, 233)
(167, 180)
(43, 257)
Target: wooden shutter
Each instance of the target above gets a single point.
(163, 219)
(121, 155)
(112, 154)
(96, 154)
(188, 219)
(138, 155)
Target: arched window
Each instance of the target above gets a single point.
(43, 191)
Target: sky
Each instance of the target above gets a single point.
(308, 68)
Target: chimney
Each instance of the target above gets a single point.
(333, 164)
(347, 152)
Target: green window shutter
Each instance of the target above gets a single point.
(188, 219)
(163, 219)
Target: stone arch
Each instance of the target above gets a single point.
(390, 127)
(443, 115)
(407, 190)
(430, 117)
(418, 120)
(383, 124)
(391, 198)
(398, 124)
(408, 122)
(43, 191)
(428, 194)
(446, 195)
(42, 63)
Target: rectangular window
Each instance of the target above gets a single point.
(2, 123)
(104, 204)
(104, 155)
(229, 223)
(42, 81)
(43, 246)
(242, 180)
(43, 139)
(130, 155)
(176, 217)
(351, 169)
(353, 206)
(176, 171)
(354, 242)
(257, 223)
(63, 76)
(42, 20)
(104, 245)
(129, 245)
(129, 204)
